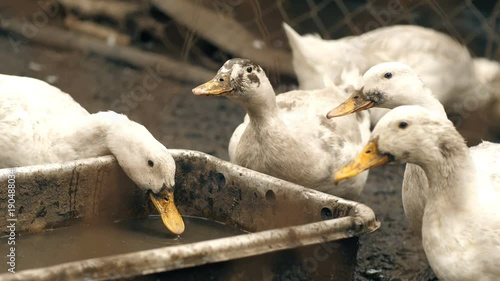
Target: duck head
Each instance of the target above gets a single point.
(149, 164)
(386, 85)
(405, 134)
(240, 80)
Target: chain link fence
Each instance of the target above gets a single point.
(473, 23)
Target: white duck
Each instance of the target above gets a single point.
(444, 65)
(389, 85)
(40, 124)
(287, 136)
(461, 223)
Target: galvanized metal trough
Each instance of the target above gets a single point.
(296, 233)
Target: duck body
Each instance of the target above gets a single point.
(298, 143)
(428, 52)
(34, 116)
(40, 124)
(287, 136)
(468, 218)
(461, 221)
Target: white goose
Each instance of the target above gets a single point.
(461, 223)
(389, 85)
(40, 124)
(444, 65)
(287, 136)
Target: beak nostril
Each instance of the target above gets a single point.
(356, 97)
(163, 188)
(368, 151)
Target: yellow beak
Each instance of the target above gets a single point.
(164, 203)
(369, 157)
(354, 103)
(219, 85)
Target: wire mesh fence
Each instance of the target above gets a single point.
(473, 23)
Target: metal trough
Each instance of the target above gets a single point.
(296, 233)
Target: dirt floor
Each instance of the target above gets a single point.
(181, 120)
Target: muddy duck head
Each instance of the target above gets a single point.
(242, 81)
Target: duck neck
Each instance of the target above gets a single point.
(426, 100)
(429, 101)
(411, 97)
(451, 175)
(261, 105)
(90, 136)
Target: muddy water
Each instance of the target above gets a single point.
(90, 241)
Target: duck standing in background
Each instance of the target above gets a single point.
(461, 223)
(446, 67)
(287, 136)
(40, 124)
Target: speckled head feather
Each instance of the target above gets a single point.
(238, 79)
(243, 74)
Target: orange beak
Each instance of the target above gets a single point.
(219, 85)
(369, 158)
(354, 103)
(164, 203)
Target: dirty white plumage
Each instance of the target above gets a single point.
(461, 222)
(288, 136)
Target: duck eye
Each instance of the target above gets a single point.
(221, 79)
(150, 163)
(403, 125)
(249, 69)
(388, 75)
